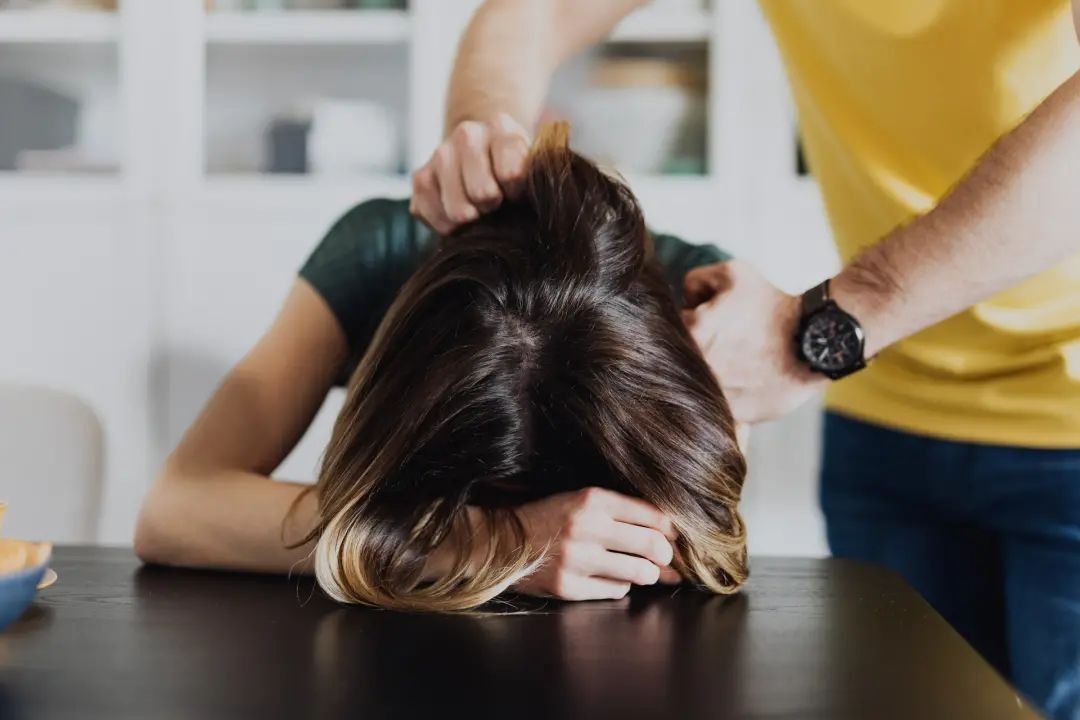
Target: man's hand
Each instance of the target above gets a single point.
(745, 328)
(599, 544)
(471, 172)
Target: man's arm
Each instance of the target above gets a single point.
(1013, 216)
(512, 48)
(1016, 214)
(506, 60)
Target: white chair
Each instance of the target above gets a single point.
(51, 465)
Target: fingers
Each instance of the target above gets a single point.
(696, 288)
(641, 541)
(625, 568)
(426, 201)
(481, 188)
(580, 587)
(703, 283)
(509, 154)
(632, 510)
(701, 330)
(593, 560)
(470, 173)
(455, 202)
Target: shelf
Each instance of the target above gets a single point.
(659, 26)
(326, 27)
(79, 196)
(291, 194)
(61, 26)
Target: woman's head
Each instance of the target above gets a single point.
(538, 350)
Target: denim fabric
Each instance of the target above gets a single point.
(989, 535)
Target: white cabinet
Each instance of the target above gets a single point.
(138, 287)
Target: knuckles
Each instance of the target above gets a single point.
(443, 155)
(589, 497)
(489, 192)
(471, 136)
(648, 575)
(563, 585)
(570, 556)
(423, 180)
(460, 215)
(576, 524)
(662, 551)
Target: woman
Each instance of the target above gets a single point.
(525, 410)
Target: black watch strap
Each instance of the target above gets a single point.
(815, 298)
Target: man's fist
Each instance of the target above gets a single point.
(745, 328)
(470, 173)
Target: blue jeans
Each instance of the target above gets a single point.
(989, 535)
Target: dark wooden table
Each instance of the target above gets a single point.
(806, 639)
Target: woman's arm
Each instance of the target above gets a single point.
(214, 504)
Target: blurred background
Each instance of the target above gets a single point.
(165, 168)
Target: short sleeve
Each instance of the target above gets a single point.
(679, 257)
(362, 262)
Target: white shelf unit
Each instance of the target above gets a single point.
(650, 25)
(163, 79)
(317, 27)
(58, 26)
(33, 195)
(180, 269)
(424, 30)
(277, 195)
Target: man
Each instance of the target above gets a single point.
(945, 135)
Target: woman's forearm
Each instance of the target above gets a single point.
(238, 520)
(1015, 215)
(233, 520)
(511, 49)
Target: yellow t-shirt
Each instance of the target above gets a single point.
(897, 101)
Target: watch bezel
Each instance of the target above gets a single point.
(829, 307)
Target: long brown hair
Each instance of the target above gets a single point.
(537, 350)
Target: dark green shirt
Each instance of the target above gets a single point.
(369, 253)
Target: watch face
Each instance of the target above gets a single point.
(832, 341)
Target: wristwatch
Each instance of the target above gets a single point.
(829, 340)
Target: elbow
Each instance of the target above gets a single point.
(147, 546)
(153, 542)
(149, 543)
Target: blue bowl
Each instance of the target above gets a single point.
(17, 591)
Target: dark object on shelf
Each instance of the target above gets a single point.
(802, 167)
(33, 118)
(287, 146)
(372, 4)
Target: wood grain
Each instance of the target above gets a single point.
(807, 639)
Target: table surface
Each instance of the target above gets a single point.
(805, 639)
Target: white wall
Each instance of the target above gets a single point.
(138, 293)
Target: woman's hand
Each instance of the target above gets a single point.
(600, 543)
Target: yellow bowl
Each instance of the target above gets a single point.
(22, 565)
